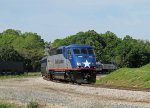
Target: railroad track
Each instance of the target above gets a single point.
(101, 86)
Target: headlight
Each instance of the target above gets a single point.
(78, 63)
(92, 63)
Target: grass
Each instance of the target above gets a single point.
(25, 75)
(128, 77)
(7, 104)
(33, 105)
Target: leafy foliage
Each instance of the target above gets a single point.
(7, 53)
(26, 47)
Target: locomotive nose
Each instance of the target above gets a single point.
(85, 63)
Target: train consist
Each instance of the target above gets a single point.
(75, 63)
(11, 68)
(105, 67)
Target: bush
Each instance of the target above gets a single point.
(33, 105)
(6, 105)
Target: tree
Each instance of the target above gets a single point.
(133, 53)
(30, 46)
(8, 36)
(32, 50)
(7, 53)
(110, 50)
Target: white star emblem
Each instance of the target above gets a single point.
(86, 63)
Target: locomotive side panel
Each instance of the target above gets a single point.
(55, 61)
(58, 62)
(43, 66)
(50, 62)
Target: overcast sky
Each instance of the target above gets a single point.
(53, 19)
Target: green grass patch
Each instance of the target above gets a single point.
(128, 77)
(25, 75)
(9, 105)
(33, 105)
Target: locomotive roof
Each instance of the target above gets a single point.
(77, 45)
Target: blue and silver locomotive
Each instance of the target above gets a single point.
(75, 63)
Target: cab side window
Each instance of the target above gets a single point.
(59, 51)
(69, 54)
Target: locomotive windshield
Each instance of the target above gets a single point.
(90, 51)
(76, 51)
(83, 51)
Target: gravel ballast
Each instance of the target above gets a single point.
(66, 95)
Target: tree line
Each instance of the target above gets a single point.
(126, 52)
(29, 48)
(24, 47)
